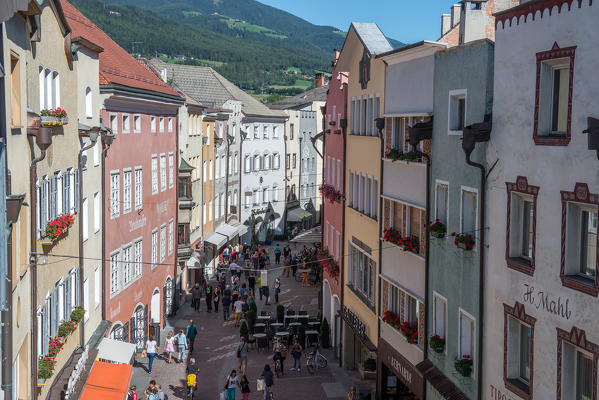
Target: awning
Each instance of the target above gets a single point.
(193, 263)
(107, 381)
(242, 229)
(228, 231)
(312, 236)
(440, 382)
(216, 239)
(10, 7)
(115, 351)
(296, 215)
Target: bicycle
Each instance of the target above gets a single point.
(278, 369)
(315, 360)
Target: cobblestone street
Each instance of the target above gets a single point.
(215, 348)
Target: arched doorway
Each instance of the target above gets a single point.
(155, 307)
(117, 332)
(139, 321)
(336, 326)
(326, 302)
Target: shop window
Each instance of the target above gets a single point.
(577, 372)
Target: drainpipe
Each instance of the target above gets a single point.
(93, 140)
(43, 140)
(380, 125)
(481, 281)
(106, 142)
(299, 194)
(342, 275)
(227, 175)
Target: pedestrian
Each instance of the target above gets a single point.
(353, 394)
(245, 387)
(256, 261)
(286, 267)
(251, 300)
(242, 355)
(192, 332)
(169, 346)
(280, 352)
(182, 345)
(226, 303)
(277, 286)
(238, 305)
(262, 260)
(252, 283)
(160, 392)
(260, 286)
(243, 291)
(294, 263)
(266, 291)
(216, 298)
(192, 369)
(278, 254)
(268, 379)
(305, 275)
(151, 350)
(196, 295)
(226, 253)
(231, 385)
(296, 352)
(132, 394)
(208, 297)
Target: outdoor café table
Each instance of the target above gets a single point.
(260, 327)
(276, 326)
(261, 340)
(314, 325)
(288, 317)
(303, 319)
(310, 334)
(293, 326)
(265, 319)
(284, 335)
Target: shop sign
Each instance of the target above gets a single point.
(547, 302)
(354, 321)
(496, 394)
(400, 370)
(137, 224)
(401, 367)
(259, 211)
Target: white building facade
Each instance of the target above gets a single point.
(541, 331)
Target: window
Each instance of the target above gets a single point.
(115, 178)
(161, 124)
(171, 233)
(466, 336)
(171, 170)
(162, 172)
(578, 369)
(204, 171)
(363, 118)
(256, 197)
(288, 161)
(126, 191)
(369, 121)
(208, 135)
(170, 124)
(154, 174)
(97, 212)
(247, 164)
(138, 188)
(439, 316)
(256, 133)
(236, 162)
(375, 199)
(352, 117)
(266, 162)
(230, 165)
(138, 257)
(257, 162)
(275, 132)
(127, 272)
(350, 192)
(222, 167)
(210, 210)
(217, 167)
(96, 151)
(162, 243)
(294, 160)
(153, 124)
(394, 299)
(291, 129)
(411, 310)
(154, 247)
(265, 132)
(204, 215)
(362, 274)
(581, 241)
(42, 86)
(15, 90)
(276, 161)
(441, 202)
(457, 111)
(469, 212)
(518, 354)
(398, 134)
(211, 170)
(137, 123)
(97, 284)
(114, 123)
(55, 90)
(338, 181)
(126, 123)
(85, 221)
(265, 195)
(114, 272)
(553, 96)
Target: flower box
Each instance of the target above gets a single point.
(54, 117)
(408, 243)
(395, 155)
(437, 235)
(56, 228)
(463, 246)
(464, 365)
(48, 120)
(332, 194)
(463, 241)
(437, 229)
(409, 330)
(437, 343)
(328, 263)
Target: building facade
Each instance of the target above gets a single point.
(542, 284)
(365, 102)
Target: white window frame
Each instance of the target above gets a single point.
(85, 216)
(474, 234)
(162, 242)
(114, 122)
(170, 124)
(462, 312)
(171, 170)
(115, 199)
(154, 247)
(138, 187)
(126, 262)
(155, 184)
(153, 124)
(127, 190)
(457, 93)
(437, 296)
(136, 123)
(97, 212)
(163, 182)
(126, 121)
(438, 183)
(161, 124)
(89, 107)
(114, 272)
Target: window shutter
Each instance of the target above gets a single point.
(45, 329)
(77, 291)
(52, 207)
(166, 312)
(54, 313)
(66, 187)
(126, 332)
(131, 330)
(67, 297)
(76, 189)
(145, 322)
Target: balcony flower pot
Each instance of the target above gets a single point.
(64, 120)
(41, 381)
(437, 235)
(463, 241)
(48, 120)
(437, 229)
(437, 343)
(464, 365)
(56, 228)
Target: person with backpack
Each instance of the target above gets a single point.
(192, 331)
(231, 385)
(181, 344)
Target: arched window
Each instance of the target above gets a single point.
(257, 166)
(55, 90)
(88, 102)
(266, 163)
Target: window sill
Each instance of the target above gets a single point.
(521, 264)
(416, 162)
(551, 140)
(362, 214)
(363, 298)
(582, 284)
(455, 133)
(518, 387)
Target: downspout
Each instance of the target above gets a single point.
(342, 275)
(299, 194)
(285, 180)
(104, 151)
(481, 281)
(80, 223)
(33, 260)
(380, 125)
(227, 176)
(175, 304)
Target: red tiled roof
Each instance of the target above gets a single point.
(116, 65)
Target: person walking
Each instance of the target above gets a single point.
(226, 303)
(151, 350)
(260, 286)
(169, 346)
(216, 298)
(231, 385)
(208, 297)
(278, 254)
(252, 283)
(192, 332)
(353, 394)
(132, 394)
(296, 352)
(160, 392)
(238, 305)
(245, 387)
(196, 295)
(266, 291)
(181, 344)
(268, 379)
(277, 287)
(242, 355)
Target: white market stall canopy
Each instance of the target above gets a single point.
(115, 351)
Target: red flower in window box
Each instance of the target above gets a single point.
(55, 228)
(464, 241)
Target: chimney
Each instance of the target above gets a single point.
(445, 23)
(455, 15)
(163, 74)
(318, 80)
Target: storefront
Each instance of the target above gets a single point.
(397, 378)
(358, 352)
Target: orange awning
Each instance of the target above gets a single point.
(107, 382)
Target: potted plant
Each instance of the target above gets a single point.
(464, 241)
(57, 227)
(394, 154)
(77, 314)
(45, 368)
(280, 313)
(437, 343)
(61, 116)
(244, 331)
(464, 365)
(250, 316)
(324, 334)
(437, 229)
(66, 328)
(47, 118)
(301, 334)
(410, 331)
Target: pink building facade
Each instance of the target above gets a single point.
(334, 185)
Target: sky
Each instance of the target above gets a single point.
(408, 21)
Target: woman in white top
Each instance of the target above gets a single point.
(151, 350)
(231, 385)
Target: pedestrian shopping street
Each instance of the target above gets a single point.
(215, 352)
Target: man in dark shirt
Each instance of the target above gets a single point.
(226, 303)
(192, 331)
(268, 380)
(252, 283)
(196, 295)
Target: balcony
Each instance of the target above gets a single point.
(405, 180)
(403, 266)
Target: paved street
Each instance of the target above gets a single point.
(215, 349)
